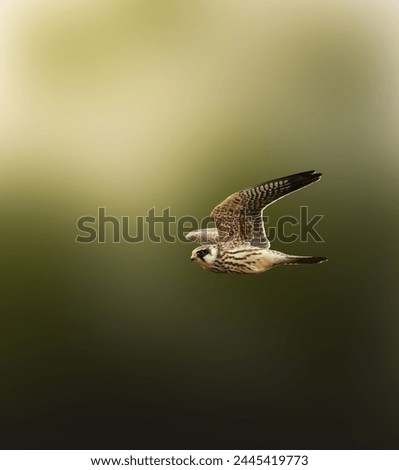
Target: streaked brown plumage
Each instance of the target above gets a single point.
(238, 243)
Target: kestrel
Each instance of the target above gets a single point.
(239, 244)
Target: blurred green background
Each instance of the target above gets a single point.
(130, 105)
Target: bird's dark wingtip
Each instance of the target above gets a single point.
(311, 176)
(311, 173)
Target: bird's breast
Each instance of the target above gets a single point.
(249, 260)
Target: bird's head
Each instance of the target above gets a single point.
(205, 255)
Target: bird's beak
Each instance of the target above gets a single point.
(192, 258)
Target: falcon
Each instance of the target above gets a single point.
(238, 243)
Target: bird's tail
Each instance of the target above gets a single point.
(304, 259)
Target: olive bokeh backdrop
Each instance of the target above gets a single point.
(130, 105)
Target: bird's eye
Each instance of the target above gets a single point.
(202, 253)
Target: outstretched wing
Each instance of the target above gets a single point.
(238, 218)
(205, 236)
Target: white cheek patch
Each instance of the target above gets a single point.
(206, 259)
(202, 262)
(210, 258)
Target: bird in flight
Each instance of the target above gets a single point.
(239, 244)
